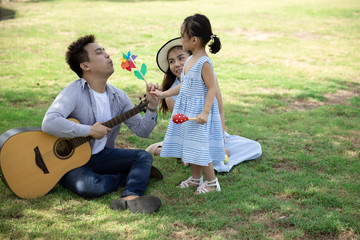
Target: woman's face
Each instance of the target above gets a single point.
(176, 58)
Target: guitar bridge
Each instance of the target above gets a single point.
(39, 161)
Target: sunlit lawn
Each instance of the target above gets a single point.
(289, 75)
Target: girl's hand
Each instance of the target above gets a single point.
(202, 118)
(153, 100)
(157, 94)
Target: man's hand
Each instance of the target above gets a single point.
(98, 131)
(153, 99)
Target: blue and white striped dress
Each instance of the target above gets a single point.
(195, 143)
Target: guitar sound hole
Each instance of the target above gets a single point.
(64, 148)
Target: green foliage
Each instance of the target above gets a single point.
(289, 76)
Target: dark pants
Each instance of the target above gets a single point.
(109, 169)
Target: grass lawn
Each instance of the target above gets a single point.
(289, 75)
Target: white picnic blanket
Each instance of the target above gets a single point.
(241, 149)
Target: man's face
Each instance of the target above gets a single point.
(99, 61)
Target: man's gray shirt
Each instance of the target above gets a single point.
(77, 101)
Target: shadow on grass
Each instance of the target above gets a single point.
(6, 14)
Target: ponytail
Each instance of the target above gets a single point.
(199, 25)
(215, 46)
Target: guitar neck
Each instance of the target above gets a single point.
(111, 123)
(122, 117)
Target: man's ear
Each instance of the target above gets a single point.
(84, 66)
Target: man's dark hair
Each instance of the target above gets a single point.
(76, 53)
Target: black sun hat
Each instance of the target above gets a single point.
(162, 55)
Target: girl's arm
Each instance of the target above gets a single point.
(207, 75)
(168, 93)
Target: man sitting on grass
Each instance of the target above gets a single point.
(92, 101)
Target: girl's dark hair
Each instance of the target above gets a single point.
(76, 53)
(199, 25)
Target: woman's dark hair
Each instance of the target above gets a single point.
(76, 53)
(199, 25)
(168, 81)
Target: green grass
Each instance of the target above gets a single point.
(289, 75)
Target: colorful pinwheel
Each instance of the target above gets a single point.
(127, 62)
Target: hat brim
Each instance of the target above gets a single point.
(162, 55)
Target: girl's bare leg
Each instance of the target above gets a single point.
(209, 174)
(196, 171)
(195, 174)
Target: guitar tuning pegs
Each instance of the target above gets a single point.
(140, 98)
(144, 95)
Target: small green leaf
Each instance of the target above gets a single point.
(143, 69)
(138, 75)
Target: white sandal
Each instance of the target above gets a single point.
(214, 183)
(196, 182)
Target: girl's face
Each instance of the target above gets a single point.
(176, 58)
(185, 39)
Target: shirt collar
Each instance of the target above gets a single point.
(110, 91)
(83, 82)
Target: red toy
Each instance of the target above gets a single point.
(180, 118)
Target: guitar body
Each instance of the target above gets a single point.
(32, 162)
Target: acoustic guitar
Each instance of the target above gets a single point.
(32, 162)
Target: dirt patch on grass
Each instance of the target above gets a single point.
(307, 35)
(278, 223)
(345, 235)
(273, 221)
(181, 231)
(27, 103)
(341, 97)
(252, 34)
(285, 165)
(283, 197)
(125, 145)
(263, 36)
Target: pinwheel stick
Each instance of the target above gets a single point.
(138, 69)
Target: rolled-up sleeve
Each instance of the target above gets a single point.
(141, 126)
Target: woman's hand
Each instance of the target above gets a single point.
(227, 152)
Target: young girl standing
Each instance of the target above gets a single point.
(199, 142)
